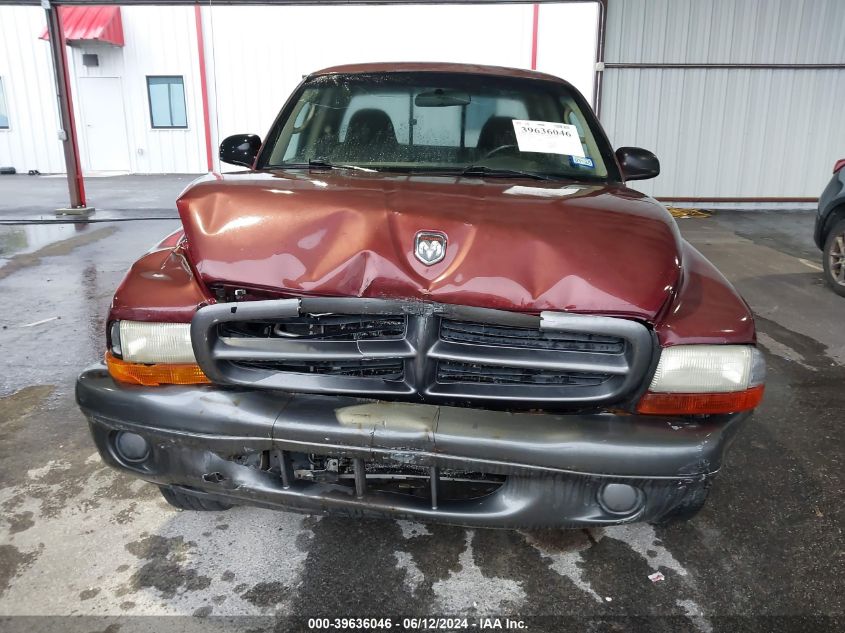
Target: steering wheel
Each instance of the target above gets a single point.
(498, 150)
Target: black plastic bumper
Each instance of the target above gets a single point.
(556, 466)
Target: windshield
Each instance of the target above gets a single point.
(433, 122)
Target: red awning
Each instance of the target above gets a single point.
(90, 24)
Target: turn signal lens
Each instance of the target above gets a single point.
(155, 374)
(700, 403)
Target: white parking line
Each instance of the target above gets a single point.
(810, 264)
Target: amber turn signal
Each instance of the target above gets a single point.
(700, 403)
(155, 374)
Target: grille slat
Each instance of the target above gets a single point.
(372, 368)
(506, 356)
(487, 334)
(452, 372)
(324, 327)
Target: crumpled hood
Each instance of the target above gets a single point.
(512, 244)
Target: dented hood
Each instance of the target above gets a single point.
(512, 244)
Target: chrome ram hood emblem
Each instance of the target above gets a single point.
(430, 247)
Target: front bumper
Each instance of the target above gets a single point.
(556, 467)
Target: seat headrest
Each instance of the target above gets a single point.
(370, 125)
(497, 131)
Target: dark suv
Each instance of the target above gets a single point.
(830, 229)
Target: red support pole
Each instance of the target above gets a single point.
(534, 29)
(204, 88)
(70, 144)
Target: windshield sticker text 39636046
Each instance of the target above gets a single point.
(548, 138)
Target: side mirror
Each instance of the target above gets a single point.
(240, 149)
(637, 163)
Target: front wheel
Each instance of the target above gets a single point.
(834, 258)
(185, 501)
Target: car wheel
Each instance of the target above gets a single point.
(185, 501)
(834, 258)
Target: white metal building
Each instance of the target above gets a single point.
(140, 108)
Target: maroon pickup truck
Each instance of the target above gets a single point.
(430, 295)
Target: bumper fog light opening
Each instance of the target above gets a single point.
(131, 447)
(620, 499)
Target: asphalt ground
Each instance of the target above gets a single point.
(76, 538)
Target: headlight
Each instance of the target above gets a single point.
(153, 354)
(142, 342)
(708, 368)
(705, 379)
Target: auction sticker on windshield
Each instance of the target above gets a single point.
(548, 138)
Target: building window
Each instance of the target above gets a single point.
(167, 102)
(4, 112)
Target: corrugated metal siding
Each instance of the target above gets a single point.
(32, 141)
(730, 133)
(161, 41)
(726, 31)
(734, 133)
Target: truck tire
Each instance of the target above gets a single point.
(694, 500)
(834, 248)
(185, 501)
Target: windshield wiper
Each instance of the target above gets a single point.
(494, 172)
(324, 164)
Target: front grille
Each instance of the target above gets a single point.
(473, 373)
(487, 334)
(422, 351)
